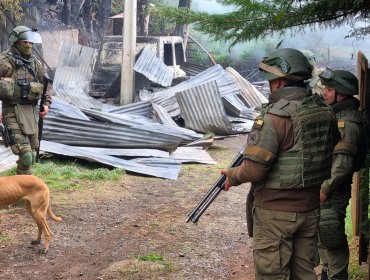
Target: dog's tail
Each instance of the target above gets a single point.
(52, 215)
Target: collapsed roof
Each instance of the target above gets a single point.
(143, 137)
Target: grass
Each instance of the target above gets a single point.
(64, 174)
(355, 271)
(157, 258)
(5, 239)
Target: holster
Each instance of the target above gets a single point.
(249, 212)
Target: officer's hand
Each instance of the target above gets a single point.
(46, 110)
(323, 197)
(1, 118)
(227, 183)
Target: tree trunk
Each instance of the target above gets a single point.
(67, 12)
(102, 17)
(182, 29)
(87, 18)
(142, 18)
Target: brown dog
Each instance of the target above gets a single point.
(37, 200)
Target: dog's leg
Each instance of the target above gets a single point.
(38, 211)
(40, 219)
(29, 210)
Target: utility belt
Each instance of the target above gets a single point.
(20, 101)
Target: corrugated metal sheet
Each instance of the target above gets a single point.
(61, 108)
(127, 120)
(253, 97)
(153, 68)
(202, 109)
(186, 135)
(192, 154)
(235, 107)
(192, 69)
(137, 108)
(162, 116)
(106, 135)
(128, 152)
(225, 84)
(73, 75)
(167, 168)
(7, 159)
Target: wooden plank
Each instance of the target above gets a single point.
(360, 185)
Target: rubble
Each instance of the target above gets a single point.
(144, 137)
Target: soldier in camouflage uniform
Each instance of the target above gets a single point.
(339, 91)
(21, 77)
(287, 157)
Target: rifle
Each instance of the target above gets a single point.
(5, 134)
(213, 192)
(46, 81)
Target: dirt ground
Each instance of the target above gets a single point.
(108, 225)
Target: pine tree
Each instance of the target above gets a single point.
(258, 19)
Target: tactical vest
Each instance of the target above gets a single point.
(308, 162)
(23, 75)
(348, 144)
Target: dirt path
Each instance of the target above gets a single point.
(107, 225)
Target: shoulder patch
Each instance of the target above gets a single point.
(253, 137)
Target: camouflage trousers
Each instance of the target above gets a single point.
(285, 244)
(335, 260)
(22, 145)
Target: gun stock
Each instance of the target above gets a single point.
(213, 192)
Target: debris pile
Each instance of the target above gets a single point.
(144, 137)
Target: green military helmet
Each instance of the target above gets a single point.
(286, 63)
(24, 33)
(310, 56)
(344, 82)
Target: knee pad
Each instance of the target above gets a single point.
(26, 158)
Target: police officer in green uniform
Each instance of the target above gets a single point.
(339, 91)
(21, 77)
(287, 157)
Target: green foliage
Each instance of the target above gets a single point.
(68, 174)
(159, 25)
(152, 257)
(15, 6)
(259, 19)
(117, 6)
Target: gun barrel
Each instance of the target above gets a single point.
(205, 200)
(195, 217)
(212, 193)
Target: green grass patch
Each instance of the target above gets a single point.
(5, 239)
(156, 258)
(152, 257)
(65, 174)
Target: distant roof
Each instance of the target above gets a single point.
(117, 16)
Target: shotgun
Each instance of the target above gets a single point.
(213, 192)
